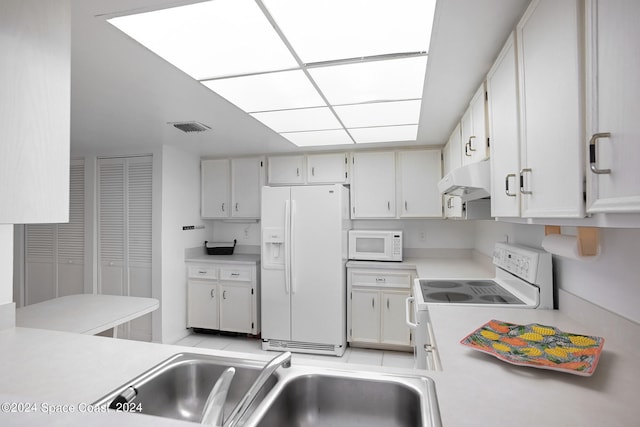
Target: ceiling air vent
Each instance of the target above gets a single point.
(189, 127)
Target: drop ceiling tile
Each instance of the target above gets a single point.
(337, 29)
(305, 119)
(210, 39)
(388, 80)
(385, 134)
(318, 138)
(380, 113)
(267, 92)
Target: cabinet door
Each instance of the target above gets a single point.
(327, 168)
(215, 188)
(478, 145)
(466, 132)
(452, 153)
(373, 185)
(202, 305)
(365, 316)
(614, 90)
(286, 170)
(235, 308)
(419, 173)
(247, 179)
(502, 88)
(551, 107)
(394, 329)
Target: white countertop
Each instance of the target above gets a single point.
(251, 259)
(84, 313)
(474, 389)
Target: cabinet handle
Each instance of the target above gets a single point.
(313, 171)
(297, 171)
(387, 303)
(405, 206)
(223, 207)
(236, 206)
(592, 153)
(522, 172)
(224, 294)
(202, 272)
(388, 206)
(373, 303)
(449, 203)
(506, 184)
(466, 149)
(380, 280)
(213, 295)
(471, 145)
(235, 274)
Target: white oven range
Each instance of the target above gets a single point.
(523, 279)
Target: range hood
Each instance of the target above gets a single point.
(470, 182)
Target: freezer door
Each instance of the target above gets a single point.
(275, 288)
(318, 286)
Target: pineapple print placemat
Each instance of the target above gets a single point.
(537, 346)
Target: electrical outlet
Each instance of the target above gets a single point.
(423, 236)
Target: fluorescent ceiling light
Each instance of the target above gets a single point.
(267, 92)
(380, 113)
(385, 134)
(320, 137)
(211, 39)
(304, 119)
(387, 80)
(337, 29)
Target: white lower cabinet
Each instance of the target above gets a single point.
(376, 308)
(223, 297)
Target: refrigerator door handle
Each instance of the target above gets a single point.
(292, 255)
(287, 240)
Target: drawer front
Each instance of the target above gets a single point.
(386, 279)
(202, 272)
(236, 274)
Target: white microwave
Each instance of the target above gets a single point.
(375, 245)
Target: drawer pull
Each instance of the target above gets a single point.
(380, 280)
(213, 295)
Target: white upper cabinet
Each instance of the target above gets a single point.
(327, 168)
(613, 110)
(502, 88)
(373, 189)
(231, 188)
(550, 76)
(418, 174)
(474, 134)
(452, 151)
(35, 109)
(286, 170)
(247, 179)
(215, 188)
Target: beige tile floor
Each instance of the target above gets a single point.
(359, 356)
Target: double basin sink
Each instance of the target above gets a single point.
(295, 396)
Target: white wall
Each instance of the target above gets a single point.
(180, 206)
(611, 281)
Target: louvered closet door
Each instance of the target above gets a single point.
(124, 233)
(54, 261)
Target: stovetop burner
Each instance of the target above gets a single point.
(466, 291)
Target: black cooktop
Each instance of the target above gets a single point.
(466, 292)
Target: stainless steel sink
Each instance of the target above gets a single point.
(321, 397)
(304, 396)
(179, 387)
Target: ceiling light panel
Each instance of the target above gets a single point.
(388, 80)
(385, 134)
(317, 138)
(380, 113)
(267, 92)
(337, 29)
(211, 39)
(304, 119)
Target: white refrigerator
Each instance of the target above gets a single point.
(303, 274)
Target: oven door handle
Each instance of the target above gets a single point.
(407, 312)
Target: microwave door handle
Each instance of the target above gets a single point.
(407, 312)
(287, 245)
